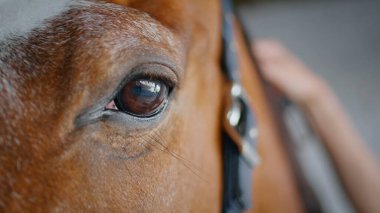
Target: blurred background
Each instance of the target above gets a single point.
(338, 39)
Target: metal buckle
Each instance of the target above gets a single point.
(237, 125)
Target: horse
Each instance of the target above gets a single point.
(114, 106)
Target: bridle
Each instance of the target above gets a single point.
(240, 130)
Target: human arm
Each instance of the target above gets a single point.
(356, 166)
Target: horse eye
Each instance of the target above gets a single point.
(142, 97)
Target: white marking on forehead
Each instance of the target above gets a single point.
(21, 16)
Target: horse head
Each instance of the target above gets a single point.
(114, 106)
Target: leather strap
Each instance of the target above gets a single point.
(239, 135)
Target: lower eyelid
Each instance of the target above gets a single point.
(129, 119)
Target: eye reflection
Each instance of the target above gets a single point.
(146, 88)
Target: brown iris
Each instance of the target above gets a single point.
(142, 97)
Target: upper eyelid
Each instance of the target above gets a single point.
(173, 77)
(154, 77)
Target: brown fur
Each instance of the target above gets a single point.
(59, 72)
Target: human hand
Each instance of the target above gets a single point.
(355, 164)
